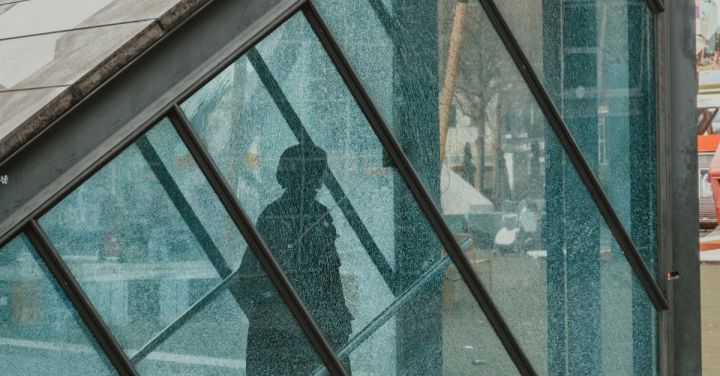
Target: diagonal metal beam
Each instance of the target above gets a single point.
(85, 309)
(419, 192)
(217, 260)
(254, 240)
(302, 135)
(575, 155)
(183, 206)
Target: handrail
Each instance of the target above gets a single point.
(379, 320)
(159, 338)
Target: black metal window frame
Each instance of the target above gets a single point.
(124, 365)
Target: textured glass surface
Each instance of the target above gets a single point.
(253, 117)
(598, 61)
(559, 278)
(220, 340)
(147, 238)
(221, 327)
(469, 344)
(40, 331)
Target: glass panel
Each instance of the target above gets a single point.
(231, 344)
(506, 182)
(308, 224)
(604, 52)
(40, 331)
(221, 326)
(469, 345)
(147, 238)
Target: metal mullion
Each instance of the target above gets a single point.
(80, 301)
(254, 240)
(183, 206)
(419, 192)
(656, 6)
(302, 135)
(575, 155)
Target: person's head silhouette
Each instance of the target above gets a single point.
(301, 169)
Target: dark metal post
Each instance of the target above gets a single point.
(254, 240)
(679, 77)
(85, 309)
(419, 192)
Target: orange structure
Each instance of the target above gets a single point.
(705, 143)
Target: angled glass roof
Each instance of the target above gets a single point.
(285, 215)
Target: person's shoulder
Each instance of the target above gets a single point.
(320, 208)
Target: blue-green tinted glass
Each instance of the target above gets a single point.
(220, 338)
(40, 331)
(558, 276)
(461, 352)
(597, 61)
(147, 239)
(349, 235)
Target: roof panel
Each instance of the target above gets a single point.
(18, 106)
(49, 16)
(60, 58)
(5, 8)
(48, 45)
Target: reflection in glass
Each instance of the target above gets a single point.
(559, 278)
(283, 108)
(40, 331)
(149, 241)
(599, 65)
(299, 231)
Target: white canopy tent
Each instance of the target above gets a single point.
(457, 196)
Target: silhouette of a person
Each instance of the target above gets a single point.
(300, 233)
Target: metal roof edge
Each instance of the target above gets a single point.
(102, 73)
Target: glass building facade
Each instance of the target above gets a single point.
(411, 187)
